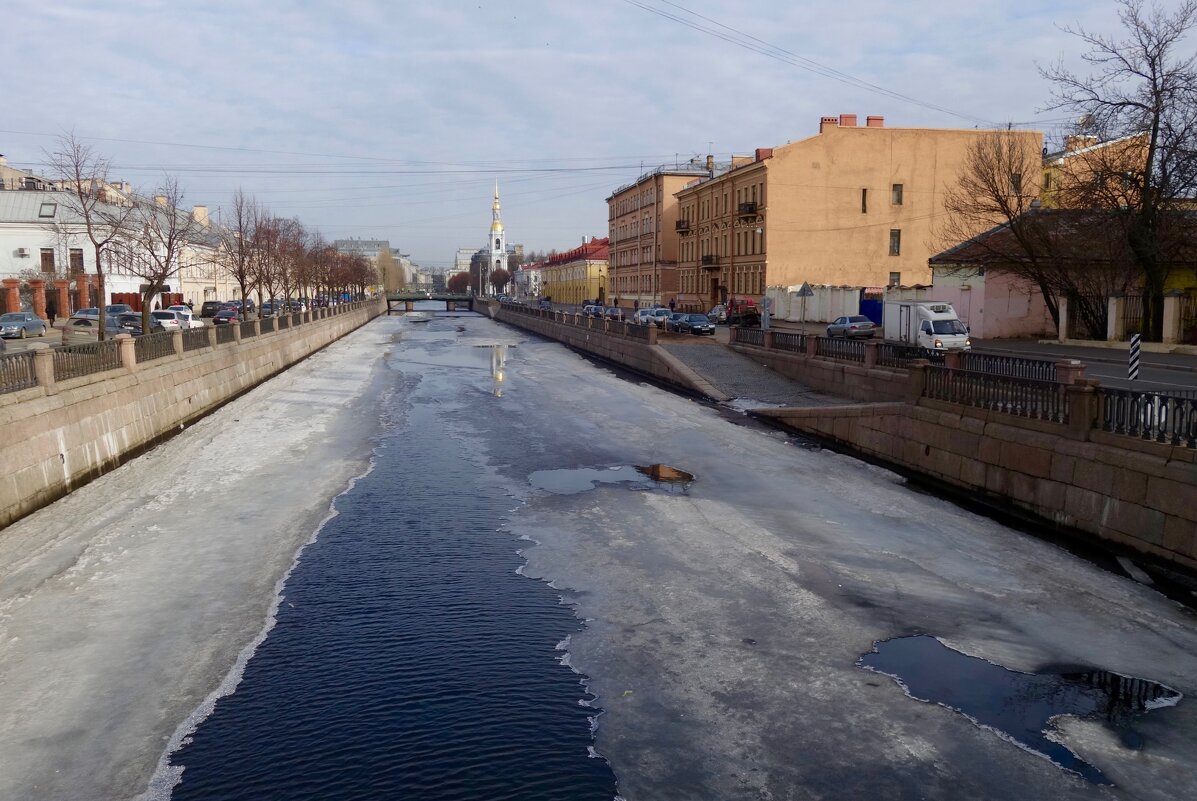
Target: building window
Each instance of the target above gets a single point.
(895, 279)
(47, 210)
(895, 242)
(47, 260)
(895, 194)
(864, 201)
(1016, 183)
(1047, 180)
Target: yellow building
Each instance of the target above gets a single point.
(642, 222)
(577, 275)
(851, 206)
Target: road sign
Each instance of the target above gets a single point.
(1132, 367)
(805, 291)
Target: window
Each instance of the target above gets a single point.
(864, 201)
(47, 210)
(47, 260)
(1016, 183)
(895, 242)
(1047, 180)
(895, 279)
(895, 194)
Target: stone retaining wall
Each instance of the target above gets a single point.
(54, 438)
(845, 379)
(1119, 488)
(642, 356)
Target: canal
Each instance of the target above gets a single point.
(498, 604)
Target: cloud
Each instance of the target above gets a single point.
(383, 88)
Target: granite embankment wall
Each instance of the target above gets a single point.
(1119, 488)
(63, 433)
(627, 345)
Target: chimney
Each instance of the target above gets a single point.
(710, 166)
(847, 120)
(200, 215)
(763, 153)
(874, 122)
(160, 200)
(825, 121)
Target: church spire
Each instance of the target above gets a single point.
(497, 222)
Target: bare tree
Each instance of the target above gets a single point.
(104, 216)
(237, 240)
(163, 230)
(1143, 90)
(1065, 253)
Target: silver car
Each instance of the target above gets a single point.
(851, 326)
(21, 325)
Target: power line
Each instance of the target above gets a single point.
(746, 41)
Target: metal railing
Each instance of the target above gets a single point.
(154, 346)
(195, 339)
(748, 336)
(891, 355)
(16, 372)
(247, 328)
(1021, 397)
(267, 325)
(637, 331)
(297, 318)
(792, 342)
(848, 350)
(281, 323)
(1149, 415)
(1013, 366)
(224, 333)
(73, 361)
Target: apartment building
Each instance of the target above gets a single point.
(642, 221)
(577, 275)
(854, 205)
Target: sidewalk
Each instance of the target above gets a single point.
(745, 382)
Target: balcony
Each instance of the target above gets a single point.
(748, 209)
(710, 262)
(683, 225)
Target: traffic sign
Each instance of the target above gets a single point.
(805, 291)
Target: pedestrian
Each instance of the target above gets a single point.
(636, 305)
(672, 305)
(51, 312)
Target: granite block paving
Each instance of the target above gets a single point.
(739, 377)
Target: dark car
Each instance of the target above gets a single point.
(592, 311)
(21, 325)
(117, 308)
(226, 316)
(611, 313)
(855, 325)
(695, 324)
(131, 322)
(210, 307)
(672, 320)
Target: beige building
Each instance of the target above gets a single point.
(853, 205)
(577, 275)
(642, 220)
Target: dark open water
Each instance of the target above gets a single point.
(410, 660)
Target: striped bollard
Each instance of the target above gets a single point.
(1132, 368)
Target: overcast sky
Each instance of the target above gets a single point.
(392, 120)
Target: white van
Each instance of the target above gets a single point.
(929, 324)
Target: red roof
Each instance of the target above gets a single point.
(594, 250)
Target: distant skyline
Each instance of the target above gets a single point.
(392, 120)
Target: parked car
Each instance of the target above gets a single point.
(210, 307)
(270, 309)
(695, 324)
(226, 316)
(117, 308)
(673, 319)
(187, 318)
(93, 313)
(170, 320)
(131, 322)
(658, 315)
(592, 311)
(643, 317)
(612, 313)
(21, 325)
(87, 329)
(545, 304)
(854, 325)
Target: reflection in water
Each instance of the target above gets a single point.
(498, 361)
(1021, 706)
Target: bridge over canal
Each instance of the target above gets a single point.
(405, 300)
